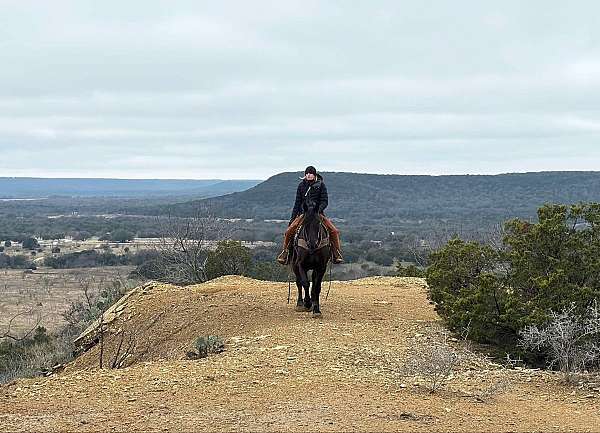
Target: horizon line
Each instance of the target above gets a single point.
(284, 172)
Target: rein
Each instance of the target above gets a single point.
(329, 288)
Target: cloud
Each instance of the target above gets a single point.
(239, 89)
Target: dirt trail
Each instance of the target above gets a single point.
(283, 370)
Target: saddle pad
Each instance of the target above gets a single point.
(302, 243)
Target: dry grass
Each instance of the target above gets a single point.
(46, 293)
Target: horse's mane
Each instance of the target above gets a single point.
(312, 227)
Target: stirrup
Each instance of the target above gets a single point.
(337, 258)
(284, 257)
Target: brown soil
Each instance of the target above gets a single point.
(284, 370)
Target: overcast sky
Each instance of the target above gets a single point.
(247, 89)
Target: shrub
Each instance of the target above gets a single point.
(433, 361)
(571, 340)
(122, 236)
(465, 290)
(230, 258)
(269, 271)
(409, 271)
(80, 235)
(541, 267)
(87, 259)
(18, 261)
(30, 243)
(205, 345)
(42, 352)
(34, 355)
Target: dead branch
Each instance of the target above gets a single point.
(8, 333)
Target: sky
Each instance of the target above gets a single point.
(247, 89)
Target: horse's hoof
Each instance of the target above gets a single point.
(301, 309)
(316, 315)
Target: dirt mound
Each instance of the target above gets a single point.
(283, 370)
(161, 321)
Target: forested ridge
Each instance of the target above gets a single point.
(367, 197)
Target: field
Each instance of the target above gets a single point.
(283, 370)
(46, 293)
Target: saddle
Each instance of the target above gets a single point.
(300, 237)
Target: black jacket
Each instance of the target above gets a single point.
(315, 190)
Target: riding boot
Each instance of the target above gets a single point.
(337, 256)
(336, 252)
(284, 256)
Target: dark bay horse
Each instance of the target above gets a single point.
(311, 253)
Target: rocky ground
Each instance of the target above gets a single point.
(284, 370)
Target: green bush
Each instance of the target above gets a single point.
(409, 271)
(18, 261)
(31, 243)
(122, 236)
(41, 351)
(269, 271)
(33, 355)
(230, 258)
(541, 267)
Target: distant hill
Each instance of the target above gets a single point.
(26, 187)
(367, 198)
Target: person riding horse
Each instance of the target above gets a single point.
(311, 188)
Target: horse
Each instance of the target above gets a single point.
(311, 252)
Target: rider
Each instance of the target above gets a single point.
(312, 183)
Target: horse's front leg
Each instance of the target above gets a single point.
(303, 283)
(318, 275)
(299, 301)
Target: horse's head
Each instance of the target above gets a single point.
(312, 224)
(310, 209)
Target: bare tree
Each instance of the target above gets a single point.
(422, 246)
(101, 331)
(85, 283)
(184, 245)
(10, 335)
